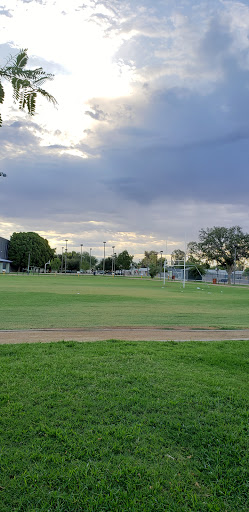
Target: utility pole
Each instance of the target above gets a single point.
(62, 259)
(184, 270)
(164, 270)
(234, 270)
(113, 247)
(161, 264)
(81, 245)
(104, 259)
(66, 257)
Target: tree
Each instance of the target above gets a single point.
(124, 260)
(246, 272)
(26, 83)
(177, 257)
(153, 270)
(29, 248)
(150, 257)
(73, 263)
(108, 264)
(56, 264)
(195, 270)
(226, 246)
(86, 261)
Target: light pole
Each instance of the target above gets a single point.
(62, 259)
(66, 257)
(104, 259)
(114, 263)
(113, 247)
(81, 245)
(161, 264)
(164, 270)
(184, 270)
(90, 259)
(235, 255)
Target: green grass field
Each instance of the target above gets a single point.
(72, 301)
(124, 427)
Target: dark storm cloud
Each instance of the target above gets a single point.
(196, 144)
(20, 134)
(202, 173)
(216, 43)
(51, 185)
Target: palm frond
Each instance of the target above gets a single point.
(21, 59)
(31, 102)
(26, 83)
(1, 93)
(48, 96)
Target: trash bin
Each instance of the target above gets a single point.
(214, 281)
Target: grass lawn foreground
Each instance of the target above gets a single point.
(124, 426)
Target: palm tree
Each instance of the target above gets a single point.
(26, 83)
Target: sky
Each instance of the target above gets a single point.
(149, 141)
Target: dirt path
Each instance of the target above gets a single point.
(121, 333)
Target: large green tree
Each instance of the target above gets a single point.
(74, 261)
(55, 264)
(108, 264)
(29, 248)
(26, 83)
(124, 261)
(88, 263)
(150, 258)
(225, 246)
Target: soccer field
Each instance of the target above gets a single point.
(96, 301)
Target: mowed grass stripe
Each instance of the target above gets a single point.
(71, 301)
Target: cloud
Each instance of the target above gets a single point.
(166, 157)
(5, 12)
(96, 113)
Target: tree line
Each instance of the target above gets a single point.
(224, 248)
(219, 247)
(29, 250)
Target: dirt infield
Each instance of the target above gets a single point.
(121, 333)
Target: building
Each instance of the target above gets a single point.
(4, 262)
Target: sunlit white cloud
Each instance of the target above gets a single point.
(81, 51)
